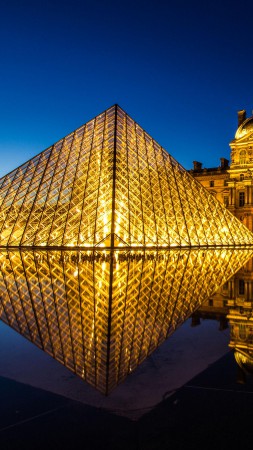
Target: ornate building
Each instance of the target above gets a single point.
(233, 185)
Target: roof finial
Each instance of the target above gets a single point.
(241, 116)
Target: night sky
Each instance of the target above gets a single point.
(182, 69)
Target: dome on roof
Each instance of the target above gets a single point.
(245, 128)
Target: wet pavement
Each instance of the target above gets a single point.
(186, 353)
(185, 396)
(211, 411)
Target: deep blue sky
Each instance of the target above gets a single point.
(180, 68)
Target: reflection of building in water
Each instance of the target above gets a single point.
(233, 185)
(241, 317)
(233, 305)
(102, 313)
(214, 308)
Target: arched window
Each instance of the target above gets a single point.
(241, 198)
(241, 287)
(243, 157)
(242, 332)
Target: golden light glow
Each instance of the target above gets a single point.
(108, 179)
(98, 232)
(102, 313)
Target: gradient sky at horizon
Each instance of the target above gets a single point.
(181, 69)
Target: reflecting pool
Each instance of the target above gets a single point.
(101, 313)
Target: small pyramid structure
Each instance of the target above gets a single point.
(109, 184)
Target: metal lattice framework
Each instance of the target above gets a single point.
(109, 184)
(107, 245)
(102, 313)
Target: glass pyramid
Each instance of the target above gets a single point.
(109, 184)
(107, 245)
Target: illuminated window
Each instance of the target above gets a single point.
(211, 183)
(225, 286)
(241, 287)
(241, 198)
(242, 332)
(225, 200)
(243, 157)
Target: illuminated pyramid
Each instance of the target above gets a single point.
(107, 245)
(109, 184)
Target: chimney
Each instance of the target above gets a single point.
(241, 116)
(224, 163)
(197, 165)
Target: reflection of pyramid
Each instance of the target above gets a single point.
(109, 184)
(102, 313)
